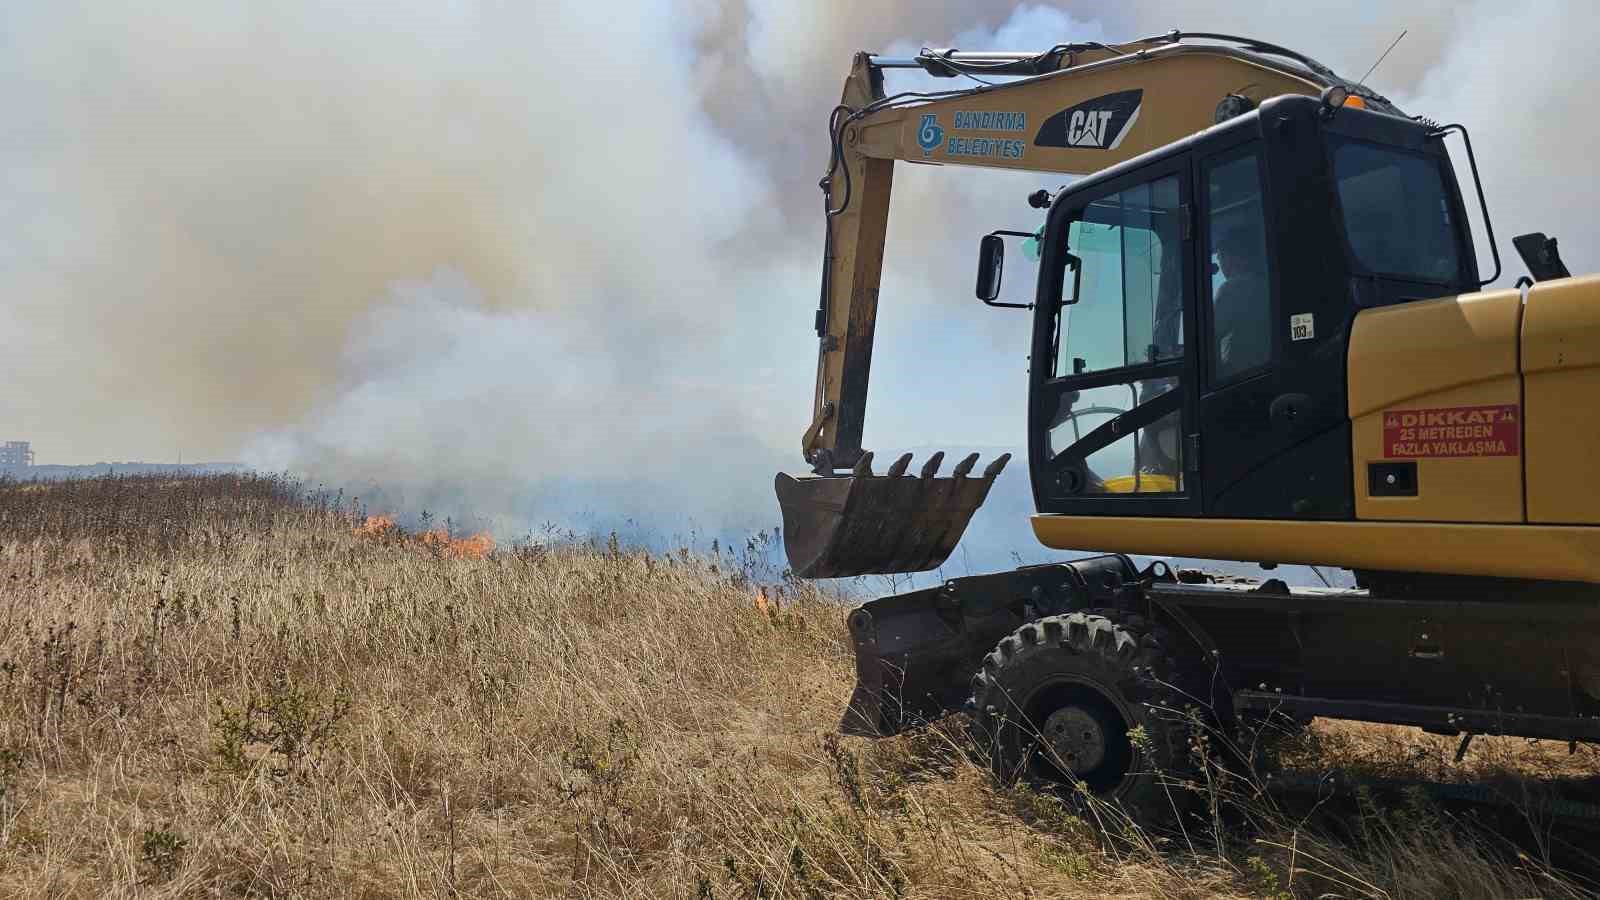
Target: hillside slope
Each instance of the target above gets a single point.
(218, 686)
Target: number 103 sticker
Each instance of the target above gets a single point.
(1302, 327)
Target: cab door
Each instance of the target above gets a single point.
(1273, 434)
(1113, 402)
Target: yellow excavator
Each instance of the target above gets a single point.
(1259, 333)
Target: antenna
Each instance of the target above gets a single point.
(1383, 57)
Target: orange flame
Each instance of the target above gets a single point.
(375, 527)
(764, 604)
(475, 547)
(382, 527)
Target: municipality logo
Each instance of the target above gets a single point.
(929, 134)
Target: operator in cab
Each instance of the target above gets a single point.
(1241, 311)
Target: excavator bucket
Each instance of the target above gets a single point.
(864, 524)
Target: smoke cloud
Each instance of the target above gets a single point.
(537, 261)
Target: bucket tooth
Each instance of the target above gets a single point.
(931, 467)
(898, 467)
(863, 467)
(965, 466)
(993, 469)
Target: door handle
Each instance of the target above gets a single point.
(1287, 410)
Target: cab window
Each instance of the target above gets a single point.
(1129, 310)
(1239, 289)
(1128, 315)
(1396, 212)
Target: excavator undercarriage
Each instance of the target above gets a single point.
(1448, 655)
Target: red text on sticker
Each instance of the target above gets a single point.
(1456, 431)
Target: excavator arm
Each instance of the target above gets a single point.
(1076, 109)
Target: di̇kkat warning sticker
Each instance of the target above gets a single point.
(1452, 432)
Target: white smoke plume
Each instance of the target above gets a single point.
(534, 260)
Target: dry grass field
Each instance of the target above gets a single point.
(224, 686)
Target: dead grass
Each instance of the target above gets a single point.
(1396, 752)
(224, 687)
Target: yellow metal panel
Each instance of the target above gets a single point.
(1182, 87)
(1562, 553)
(1561, 368)
(1449, 360)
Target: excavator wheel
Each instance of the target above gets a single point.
(1082, 699)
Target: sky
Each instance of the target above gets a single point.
(547, 261)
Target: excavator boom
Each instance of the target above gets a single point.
(1076, 109)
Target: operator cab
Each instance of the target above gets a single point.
(1194, 306)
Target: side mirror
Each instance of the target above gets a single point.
(991, 266)
(1540, 255)
(1075, 266)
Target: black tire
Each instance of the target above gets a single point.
(1089, 681)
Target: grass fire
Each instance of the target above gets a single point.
(234, 686)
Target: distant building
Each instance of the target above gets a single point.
(16, 453)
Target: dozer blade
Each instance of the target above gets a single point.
(864, 524)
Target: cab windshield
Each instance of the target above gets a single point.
(1397, 212)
